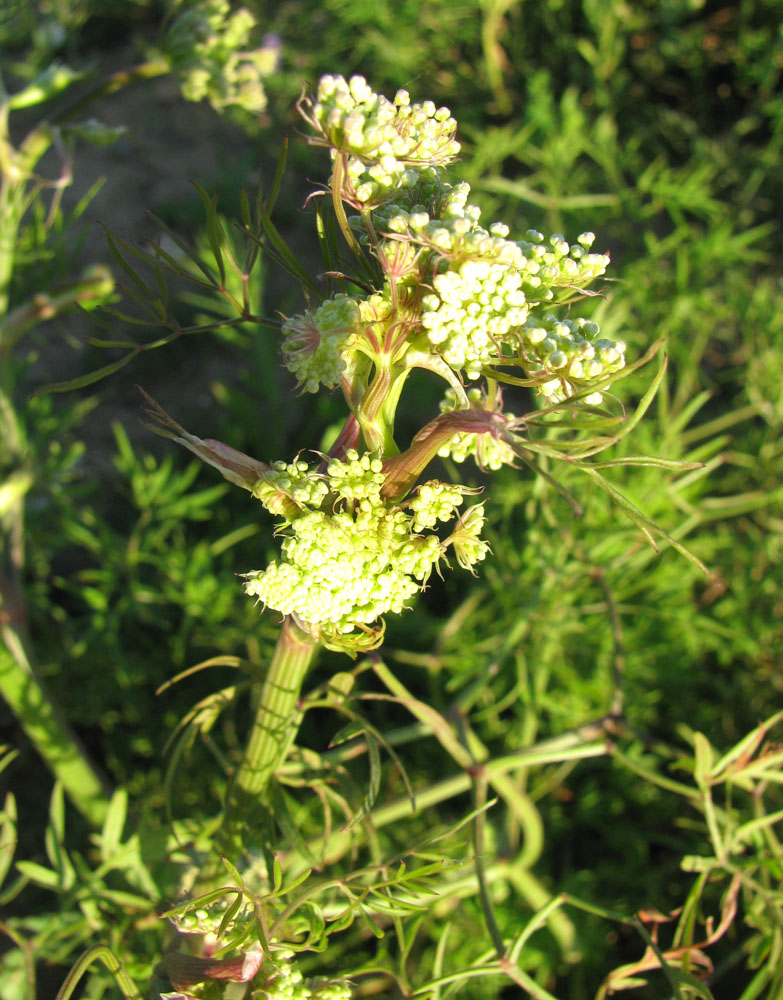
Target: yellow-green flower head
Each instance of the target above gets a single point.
(207, 47)
(566, 355)
(360, 478)
(355, 557)
(315, 343)
(469, 547)
(435, 501)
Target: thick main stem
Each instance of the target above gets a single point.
(277, 718)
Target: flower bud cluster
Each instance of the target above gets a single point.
(435, 501)
(202, 920)
(473, 308)
(293, 479)
(565, 356)
(289, 987)
(454, 291)
(450, 226)
(360, 478)
(488, 452)
(558, 264)
(314, 342)
(205, 46)
(354, 558)
(489, 283)
(469, 547)
(282, 981)
(278, 976)
(376, 309)
(385, 141)
(332, 991)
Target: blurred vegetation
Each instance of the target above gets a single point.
(658, 125)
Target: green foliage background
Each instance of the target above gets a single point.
(658, 125)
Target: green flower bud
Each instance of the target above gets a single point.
(385, 143)
(572, 350)
(315, 343)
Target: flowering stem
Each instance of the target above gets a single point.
(338, 177)
(376, 412)
(277, 718)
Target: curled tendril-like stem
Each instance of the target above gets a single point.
(104, 954)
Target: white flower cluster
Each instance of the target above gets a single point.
(346, 566)
(473, 308)
(565, 355)
(489, 284)
(314, 342)
(205, 44)
(488, 452)
(385, 141)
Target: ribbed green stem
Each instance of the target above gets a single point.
(20, 684)
(278, 717)
(47, 730)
